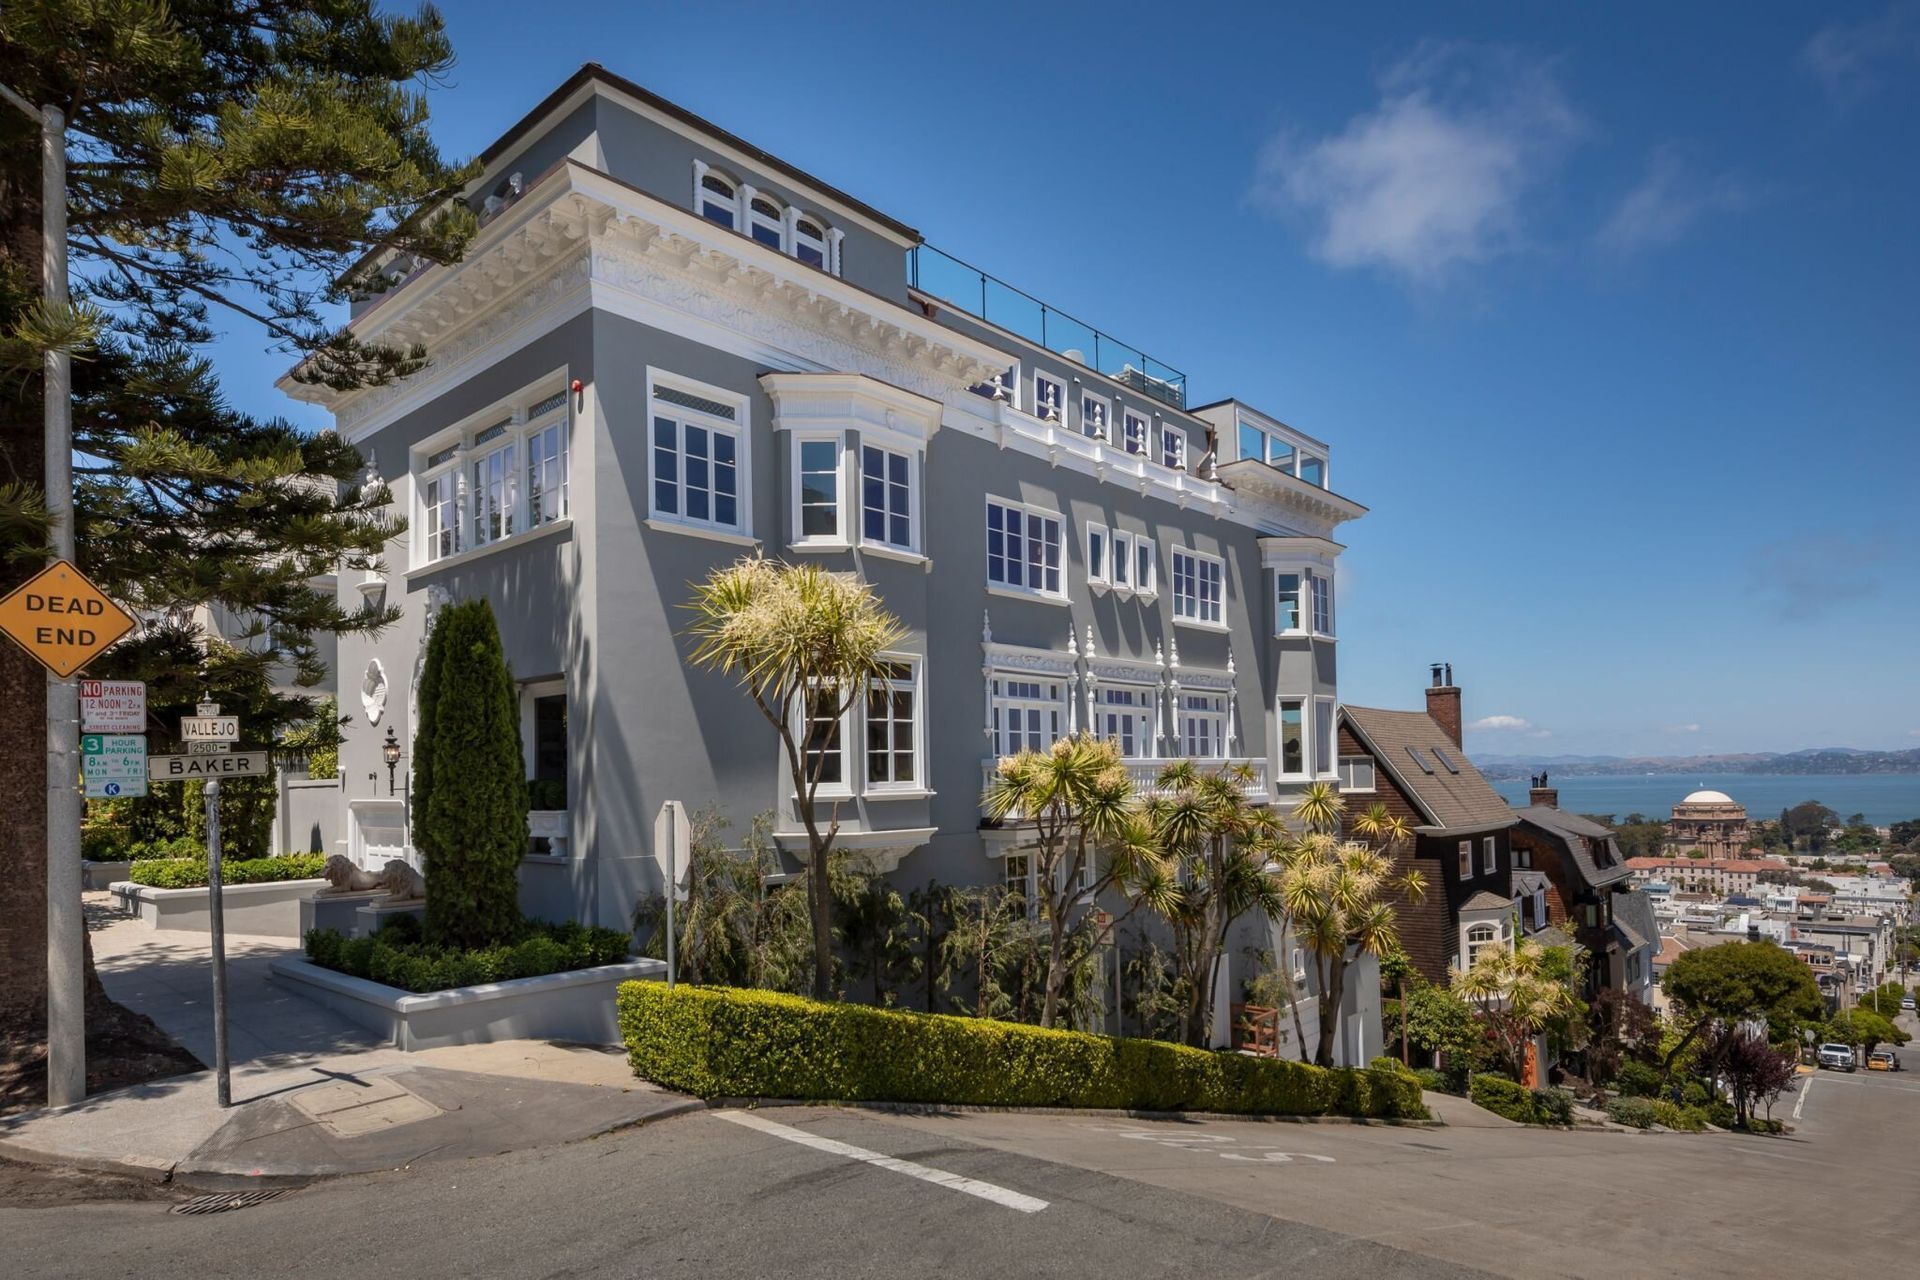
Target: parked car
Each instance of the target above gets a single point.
(1906, 1002)
(1883, 1060)
(1837, 1057)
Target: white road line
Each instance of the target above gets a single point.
(939, 1177)
(1806, 1087)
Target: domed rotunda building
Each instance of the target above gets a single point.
(1712, 823)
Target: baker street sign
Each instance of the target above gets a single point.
(238, 764)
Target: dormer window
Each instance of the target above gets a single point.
(765, 219)
(719, 199)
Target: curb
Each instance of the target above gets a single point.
(1112, 1113)
(145, 1168)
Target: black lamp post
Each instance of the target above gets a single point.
(390, 752)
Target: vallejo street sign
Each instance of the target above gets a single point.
(210, 728)
(239, 764)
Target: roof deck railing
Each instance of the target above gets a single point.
(946, 277)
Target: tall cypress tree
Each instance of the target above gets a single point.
(472, 826)
(238, 158)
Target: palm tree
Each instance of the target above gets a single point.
(1387, 830)
(1319, 806)
(1088, 837)
(1336, 893)
(1516, 997)
(1219, 846)
(804, 643)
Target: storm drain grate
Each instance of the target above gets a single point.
(223, 1201)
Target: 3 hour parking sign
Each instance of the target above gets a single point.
(114, 764)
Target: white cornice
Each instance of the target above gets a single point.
(1291, 494)
(1279, 553)
(803, 400)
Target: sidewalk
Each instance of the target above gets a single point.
(314, 1095)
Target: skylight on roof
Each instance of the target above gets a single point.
(1441, 756)
(1420, 760)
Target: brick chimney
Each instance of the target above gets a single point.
(1543, 795)
(1443, 702)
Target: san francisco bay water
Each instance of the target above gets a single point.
(1883, 798)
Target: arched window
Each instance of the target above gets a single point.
(719, 199)
(764, 221)
(810, 241)
(1479, 938)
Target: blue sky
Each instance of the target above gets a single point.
(1608, 313)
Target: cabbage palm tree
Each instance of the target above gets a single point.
(1220, 847)
(804, 643)
(1088, 836)
(1515, 996)
(1336, 893)
(1387, 830)
(1319, 806)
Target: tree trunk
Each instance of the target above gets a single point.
(1056, 966)
(820, 910)
(23, 684)
(1330, 1010)
(1405, 1059)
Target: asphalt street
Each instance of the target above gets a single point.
(809, 1191)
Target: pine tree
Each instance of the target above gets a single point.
(472, 821)
(234, 156)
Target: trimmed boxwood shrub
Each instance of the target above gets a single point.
(1636, 1113)
(1502, 1096)
(191, 873)
(1637, 1080)
(724, 1042)
(1552, 1106)
(397, 957)
(1430, 1078)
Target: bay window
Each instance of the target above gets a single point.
(892, 733)
(495, 488)
(823, 747)
(1023, 549)
(1028, 713)
(507, 478)
(886, 497)
(1323, 761)
(1322, 591)
(547, 473)
(1203, 723)
(1286, 604)
(1293, 737)
(819, 504)
(440, 508)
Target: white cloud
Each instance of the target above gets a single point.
(1683, 728)
(1431, 179)
(1850, 60)
(1500, 723)
(1665, 204)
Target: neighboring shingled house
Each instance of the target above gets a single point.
(1589, 891)
(1412, 763)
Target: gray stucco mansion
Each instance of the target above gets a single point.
(667, 349)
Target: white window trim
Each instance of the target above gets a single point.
(1301, 605)
(1038, 411)
(1171, 432)
(850, 763)
(1146, 432)
(1173, 578)
(796, 537)
(1310, 614)
(1220, 720)
(1372, 767)
(1101, 580)
(1026, 510)
(1489, 856)
(521, 428)
(916, 683)
(1299, 444)
(1061, 706)
(1105, 431)
(916, 494)
(1305, 772)
(742, 428)
(1326, 770)
(1466, 860)
(700, 170)
(1143, 712)
(1150, 588)
(1121, 561)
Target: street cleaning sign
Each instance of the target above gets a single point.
(63, 620)
(113, 764)
(238, 764)
(113, 706)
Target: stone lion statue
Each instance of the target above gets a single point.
(397, 878)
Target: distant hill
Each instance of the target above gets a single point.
(1821, 760)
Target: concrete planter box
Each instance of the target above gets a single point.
(102, 875)
(264, 910)
(576, 1006)
(354, 915)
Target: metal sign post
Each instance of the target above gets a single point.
(222, 1082)
(673, 849)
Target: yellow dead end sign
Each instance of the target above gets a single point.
(62, 619)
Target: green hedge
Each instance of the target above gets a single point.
(191, 873)
(723, 1042)
(1503, 1097)
(397, 957)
